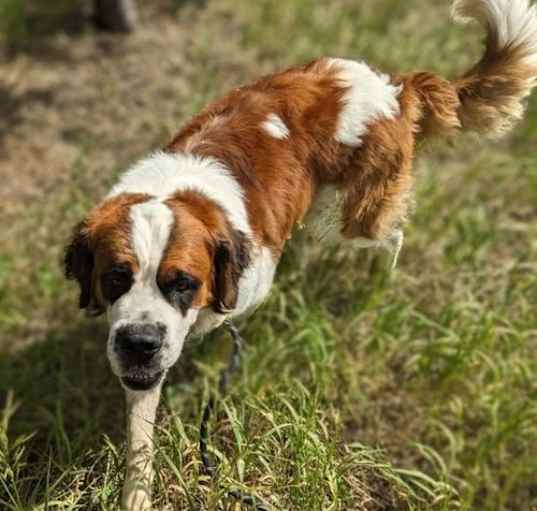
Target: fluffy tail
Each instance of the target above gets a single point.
(489, 97)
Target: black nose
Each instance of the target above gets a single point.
(139, 343)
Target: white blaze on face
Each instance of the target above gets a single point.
(144, 303)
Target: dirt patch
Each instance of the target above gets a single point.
(84, 107)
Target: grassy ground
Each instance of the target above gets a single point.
(359, 390)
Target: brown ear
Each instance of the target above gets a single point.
(78, 264)
(231, 257)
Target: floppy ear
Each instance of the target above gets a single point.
(78, 264)
(231, 257)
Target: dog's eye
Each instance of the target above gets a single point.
(116, 282)
(183, 284)
(180, 290)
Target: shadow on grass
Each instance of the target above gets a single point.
(66, 394)
(62, 420)
(64, 391)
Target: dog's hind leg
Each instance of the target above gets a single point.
(378, 184)
(141, 412)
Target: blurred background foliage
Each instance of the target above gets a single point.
(21, 21)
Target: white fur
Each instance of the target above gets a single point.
(256, 281)
(141, 413)
(276, 127)
(152, 222)
(370, 97)
(207, 321)
(151, 225)
(515, 22)
(163, 174)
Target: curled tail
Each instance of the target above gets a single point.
(488, 98)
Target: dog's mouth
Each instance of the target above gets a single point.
(139, 379)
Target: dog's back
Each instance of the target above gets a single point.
(339, 136)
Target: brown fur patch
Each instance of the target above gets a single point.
(200, 231)
(438, 101)
(99, 242)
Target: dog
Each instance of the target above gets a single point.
(192, 234)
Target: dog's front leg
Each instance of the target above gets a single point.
(141, 411)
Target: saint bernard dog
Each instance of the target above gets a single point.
(192, 234)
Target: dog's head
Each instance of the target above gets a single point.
(153, 265)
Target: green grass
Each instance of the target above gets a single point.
(358, 390)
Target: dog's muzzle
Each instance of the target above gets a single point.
(138, 347)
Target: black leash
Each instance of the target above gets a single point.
(210, 468)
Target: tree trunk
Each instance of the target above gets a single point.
(116, 15)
